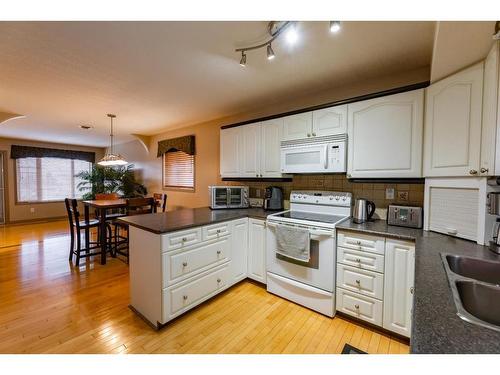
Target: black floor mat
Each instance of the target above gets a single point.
(348, 349)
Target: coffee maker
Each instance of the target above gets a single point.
(273, 198)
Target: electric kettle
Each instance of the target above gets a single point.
(363, 211)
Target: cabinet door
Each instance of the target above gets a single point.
(398, 286)
(489, 135)
(272, 134)
(297, 126)
(239, 246)
(250, 150)
(229, 152)
(257, 250)
(453, 124)
(330, 121)
(385, 136)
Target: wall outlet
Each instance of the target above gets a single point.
(32, 210)
(389, 193)
(403, 196)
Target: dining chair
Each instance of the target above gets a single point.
(135, 206)
(161, 201)
(76, 226)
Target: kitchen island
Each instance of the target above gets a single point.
(181, 258)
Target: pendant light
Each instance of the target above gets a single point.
(112, 159)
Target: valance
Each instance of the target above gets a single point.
(184, 144)
(19, 152)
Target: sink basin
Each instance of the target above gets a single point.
(480, 300)
(478, 269)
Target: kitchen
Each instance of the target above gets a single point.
(353, 208)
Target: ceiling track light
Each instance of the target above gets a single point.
(275, 29)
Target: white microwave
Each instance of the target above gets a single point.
(314, 155)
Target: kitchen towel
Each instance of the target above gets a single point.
(293, 242)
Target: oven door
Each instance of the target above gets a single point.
(236, 197)
(219, 197)
(319, 272)
(312, 158)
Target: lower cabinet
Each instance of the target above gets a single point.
(239, 247)
(257, 250)
(377, 288)
(398, 286)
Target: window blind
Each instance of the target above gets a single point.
(48, 179)
(178, 170)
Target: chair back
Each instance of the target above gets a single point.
(107, 197)
(73, 213)
(161, 201)
(140, 206)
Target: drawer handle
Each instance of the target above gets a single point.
(358, 260)
(184, 239)
(218, 231)
(184, 264)
(184, 297)
(412, 290)
(358, 242)
(356, 307)
(219, 280)
(219, 252)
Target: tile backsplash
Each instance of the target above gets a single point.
(407, 194)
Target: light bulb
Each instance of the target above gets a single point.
(243, 60)
(291, 35)
(270, 52)
(334, 26)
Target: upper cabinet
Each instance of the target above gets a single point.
(252, 151)
(385, 136)
(327, 121)
(297, 126)
(452, 145)
(490, 136)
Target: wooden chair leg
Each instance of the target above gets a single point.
(78, 248)
(72, 243)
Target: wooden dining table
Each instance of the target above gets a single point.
(102, 206)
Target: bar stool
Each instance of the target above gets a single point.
(76, 226)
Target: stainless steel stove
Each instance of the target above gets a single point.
(312, 283)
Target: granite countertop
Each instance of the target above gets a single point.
(436, 327)
(172, 221)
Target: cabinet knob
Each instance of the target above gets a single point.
(218, 231)
(412, 290)
(358, 282)
(484, 170)
(308, 134)
(184, 264)
(184, 239)
(472, 171)
(257, 175)
(358, 260)
(219, 280)
(314, 134)
(184, 297)
(218, 252)
(358, 242)
(357, 307)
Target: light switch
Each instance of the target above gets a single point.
(389, 193)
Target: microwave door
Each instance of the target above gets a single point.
(305, 159)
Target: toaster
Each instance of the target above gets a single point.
(405, 216)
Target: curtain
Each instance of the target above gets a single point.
(184, 144)
(19, 152)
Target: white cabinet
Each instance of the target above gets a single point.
(385, 136)
(297, 126)
(252, 151)
(452, 145)
(330, 121)
(327, 121)
(257, 250)
(398, 286)
(230, 152)
(239, 245)
(270, 161)
(490, 142)
(250, 141)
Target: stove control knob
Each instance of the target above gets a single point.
(337, 198)
(331, 198)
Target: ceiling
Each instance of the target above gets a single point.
(161, 75)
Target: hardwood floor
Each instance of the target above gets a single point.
(49, 306)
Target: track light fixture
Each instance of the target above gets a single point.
(243, 60)
(334, 26)
(275, 29)
(270, 52)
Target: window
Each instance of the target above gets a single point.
(48, 179)
(178, 170)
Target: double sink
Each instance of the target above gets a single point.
(475, 284)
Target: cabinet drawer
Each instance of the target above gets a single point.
(362, 242)
(187, 262)
(361, 281)
(360, 306)
(211, 232)
(181, 239)
(178, 299)
(360, 259)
